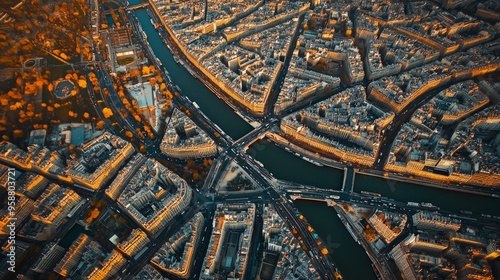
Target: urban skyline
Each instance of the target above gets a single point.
(304, 139)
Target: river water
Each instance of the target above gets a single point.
(288, 167)
(347, 254)
(210, 105)
(445, 199)
(349, 257)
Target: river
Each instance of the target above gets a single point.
(288, 167)
(347, 254)
(215, 109)
(445, 199)
(349, 257)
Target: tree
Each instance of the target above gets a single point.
(139, 132)
(145, 70)
(142, 148)
(134, 73)
(100, 125)
(196, 176)
(191, 164)
(93, 214)
(18, 133)
(107, 112)
(39, 84)
(82, 83)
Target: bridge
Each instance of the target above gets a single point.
(138, 6)
(254, 135)
(328, 202)
(233, 150)
(348, 181)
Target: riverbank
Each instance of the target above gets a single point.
(350, 258)
(221, 90)
(466, 187)
(214, 108)
(181, 58)
(294, 148)
(379, 264)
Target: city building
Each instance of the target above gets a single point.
(37, 136)
(81, 257)
(230, 241)
(124, 176)
(493, 250)
(434, 221)
(246, 73)
(24, 208)
(134, 243)
(176, 256)
(148, 272)
(31, 184)
(283, 258)
(345, 126)
(154, 195)
(380, 222)
(54, 205)
(109, 267)
(51, 254)
(185, 140)
(101, 159)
